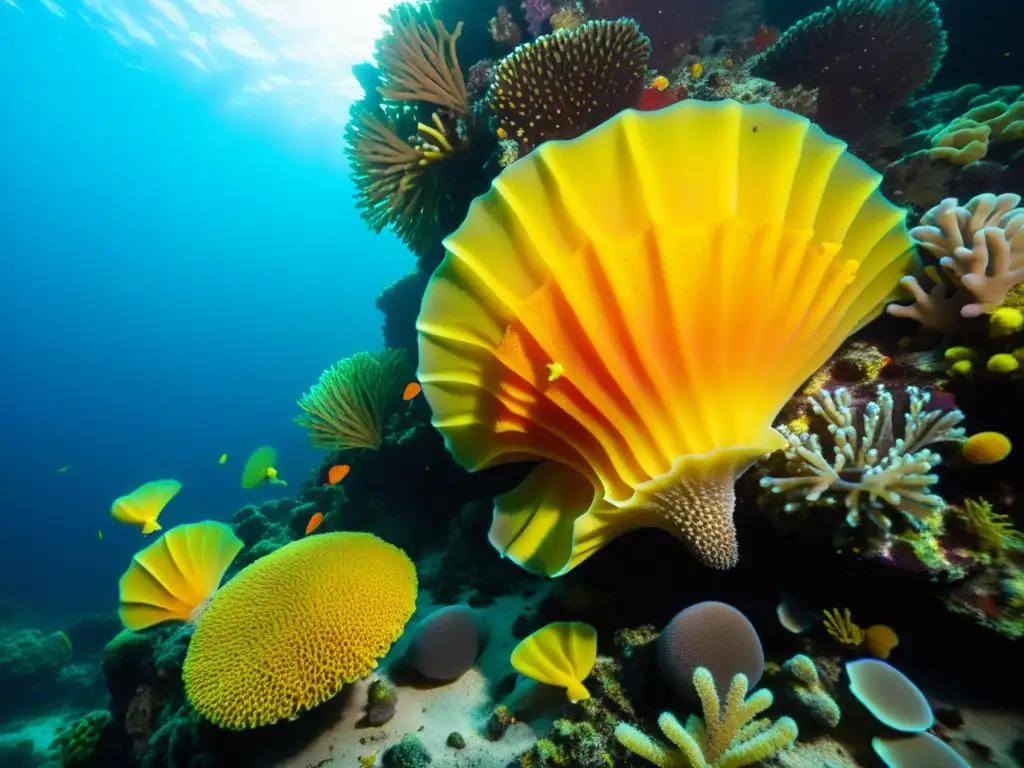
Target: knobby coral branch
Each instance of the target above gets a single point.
(978, 253)
(871, 467)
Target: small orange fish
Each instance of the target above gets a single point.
(411, 390)
(314, 522)
(337, 473)
(660, 83)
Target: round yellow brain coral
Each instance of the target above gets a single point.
(292, 628)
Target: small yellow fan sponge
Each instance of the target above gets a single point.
(290, 630)
(260, 467)
(986, 447)
(560, 654)
(174, 577)
(688, 269)
(144, 505)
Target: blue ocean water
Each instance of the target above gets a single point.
(175, 274)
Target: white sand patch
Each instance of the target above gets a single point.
(40, 731)
(433, 713)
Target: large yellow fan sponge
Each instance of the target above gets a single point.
(173, 578)
(561, 654)
(634, 307)
(291, 629)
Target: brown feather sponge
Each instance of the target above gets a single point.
(563, 84)
(865, 57)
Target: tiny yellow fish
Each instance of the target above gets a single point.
(100, 534)
(660, 83)
(223, 459)
(62, 470)
(696, 70)
(555, 370)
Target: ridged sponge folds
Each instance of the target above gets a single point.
(295, 626)
(634, 307)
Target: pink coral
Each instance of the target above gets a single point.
(537, 14)
(979, 250)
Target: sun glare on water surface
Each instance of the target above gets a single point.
(299, 52)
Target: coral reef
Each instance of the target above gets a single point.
(864, 57)
(961, 143)
(30, 662)
(672, 27)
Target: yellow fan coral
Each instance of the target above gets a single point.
(292, 628)
(346, 407)
(173, 578)
(562, 654)
(687, 269)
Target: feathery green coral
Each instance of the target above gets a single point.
(724, 738)
(995, 532)
(871, 467)
(346, 407)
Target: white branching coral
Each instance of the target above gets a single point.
(978, 249)
(727, 737)
(870, 466)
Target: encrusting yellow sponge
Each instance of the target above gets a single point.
(173, 578)
(561, 654)
(688, 268)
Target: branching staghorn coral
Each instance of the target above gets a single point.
(978, 255)
(724, 738)
(346, 407)
(418, 60)
(871, 467)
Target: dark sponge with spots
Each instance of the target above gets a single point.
(446, 643)
(711, 635)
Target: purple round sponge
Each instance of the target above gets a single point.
(711, 635)
(446, 643)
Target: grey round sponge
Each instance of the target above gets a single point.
(711, 635)
(446, 643)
